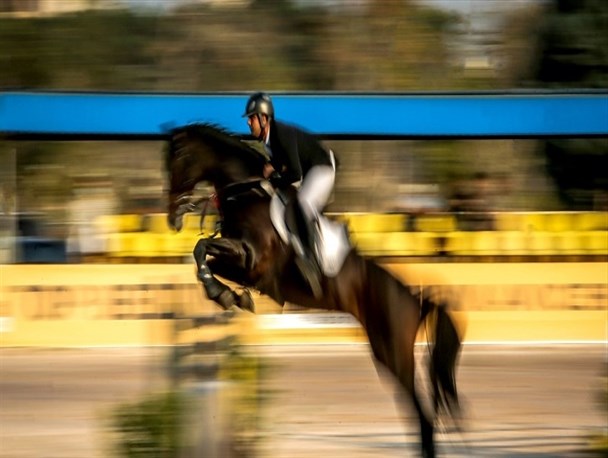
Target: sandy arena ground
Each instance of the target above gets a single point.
(327, 401)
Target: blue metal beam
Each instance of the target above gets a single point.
(410, 115)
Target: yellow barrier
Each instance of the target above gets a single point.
(551, 221)
(479, 327)
(119, 223)
(87, 332)
(372, 222)
(87, 305)
(397, 243)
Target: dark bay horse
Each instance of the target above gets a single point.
(251, 253)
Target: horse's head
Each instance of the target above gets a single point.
(201, 152)
(184, 172)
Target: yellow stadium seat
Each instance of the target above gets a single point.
(192, 223)
(571, 242)
(485, 243)
(112, 244)
(435, 223)
(173, 245)
(375, 222)
(591, 221)
(156, 222)
(395, 243)
(534, 222)
(473, 243)
(596, 242)
(410, 243)
(458, 243)
(120, 244)
(513, 243)
(366, 242)
(509, 221)
(119, 223)
(559, 221)
(179, 244)
(134, 244)
(146, 244)
(542, 243)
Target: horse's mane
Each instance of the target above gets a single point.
(218, 137)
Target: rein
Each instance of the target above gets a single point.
(200, 205)
(260, 186)
(206, 200)
(230, 192)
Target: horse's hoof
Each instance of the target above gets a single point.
(245, 301)
(226, 299)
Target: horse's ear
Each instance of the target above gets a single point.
(179, 135)
(178, 138)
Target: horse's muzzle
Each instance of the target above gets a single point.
(179, 205)
(175, 222)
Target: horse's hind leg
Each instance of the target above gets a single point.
(400, 362)
(443, 363)
(405, 374)
(399, 358)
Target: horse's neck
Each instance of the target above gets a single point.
(232, 171)
(225, 181)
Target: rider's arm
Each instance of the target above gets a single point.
(292, 170)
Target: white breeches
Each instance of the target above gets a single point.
(316, 188)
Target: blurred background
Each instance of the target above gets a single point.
(419, 202)
(61, 189)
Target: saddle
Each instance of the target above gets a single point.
(327, 240)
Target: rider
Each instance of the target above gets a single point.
(295, 158)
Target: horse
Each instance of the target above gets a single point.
(251, 253)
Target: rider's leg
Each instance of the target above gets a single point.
(312, 197)
(317, 186)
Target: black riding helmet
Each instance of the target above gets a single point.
(259, 103)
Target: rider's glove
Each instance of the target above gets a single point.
(275, 179)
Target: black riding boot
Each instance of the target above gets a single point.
(303, 234)
(310, 271)
(307, 262)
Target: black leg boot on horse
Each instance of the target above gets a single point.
(303, 238)
(216, 290)
(238, 259)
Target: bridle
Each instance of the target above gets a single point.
(231, 192)
(184, 203)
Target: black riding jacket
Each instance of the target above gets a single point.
(294, 152)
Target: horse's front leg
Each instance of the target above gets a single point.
(230, 252)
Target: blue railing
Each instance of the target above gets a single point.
(513, 114)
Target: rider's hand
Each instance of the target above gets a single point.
(268, 170)
(275, 179)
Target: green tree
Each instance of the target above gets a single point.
(573, 53)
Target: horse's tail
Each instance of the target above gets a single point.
(444, 354)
